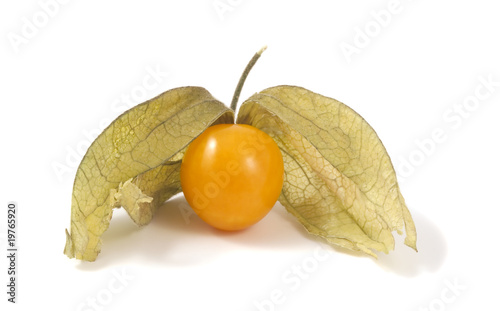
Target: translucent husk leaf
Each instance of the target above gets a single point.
(339, 179)
(135, 162)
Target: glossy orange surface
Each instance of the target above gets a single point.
(232, 175)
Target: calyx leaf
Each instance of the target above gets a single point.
(339, 179)
(135, 163)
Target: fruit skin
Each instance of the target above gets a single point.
(232, 175)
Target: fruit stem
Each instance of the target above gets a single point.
(243, 77)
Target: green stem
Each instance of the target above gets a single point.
(243, 77)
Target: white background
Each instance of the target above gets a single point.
(417, 72)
